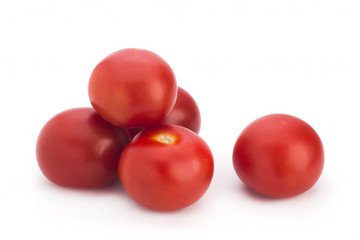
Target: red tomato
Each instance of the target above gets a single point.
(166, 168)
(185, 113)
(133, 88)
(77, 148)
(279, 156)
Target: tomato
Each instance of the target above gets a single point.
(77, 148)
(166, 168)
(133, 88)
(185, 113)
(279, 156)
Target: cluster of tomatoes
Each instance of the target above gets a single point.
(143, 129)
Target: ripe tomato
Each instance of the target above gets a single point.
(133, 88)
(166, 168)
(279, 156)
(77, 148)
(185, 113)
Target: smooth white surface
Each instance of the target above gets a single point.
(240, 60)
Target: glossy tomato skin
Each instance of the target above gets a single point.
(133, 88)
(77, 148)
(185, 113)
(279, 156)
(166, 168)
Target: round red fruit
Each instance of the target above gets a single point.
(279, 156)
(133, 88)
(77, 148)
(185, 112)
(166, 168)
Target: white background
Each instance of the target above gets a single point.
(240, 60)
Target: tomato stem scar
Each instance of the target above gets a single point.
(165, 138)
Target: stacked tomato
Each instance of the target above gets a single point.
(166, 165)
(143, 129)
